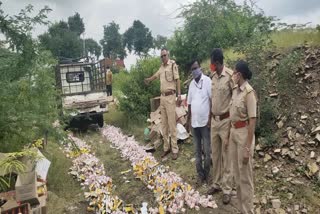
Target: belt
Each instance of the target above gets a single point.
(222, 116)
(168, 93)
(239, 124)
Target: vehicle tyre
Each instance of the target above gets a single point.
(100, 120)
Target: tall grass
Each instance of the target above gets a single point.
(291, 38)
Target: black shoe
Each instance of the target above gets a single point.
(174, 156)
(165, 154)
(226, 199)
(213, 190)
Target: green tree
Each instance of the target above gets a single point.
(92, 48)
(112, 43)
(215, 23)
(138, 38)
(76, 24)
(63, 38)
(61, 41)
(28, 96)
(159, 42)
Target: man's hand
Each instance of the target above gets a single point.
(179, 100)
(147, 81)
(246, 154)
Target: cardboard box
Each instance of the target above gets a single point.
(23, 208)
(26, 186)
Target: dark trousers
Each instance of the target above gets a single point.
(109, 90)
(201, 140)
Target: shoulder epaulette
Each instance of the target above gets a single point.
(248, 88)
(229, 71)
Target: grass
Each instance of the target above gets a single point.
(127, 187)
(64, 191)
(291, 38)
(119, 119)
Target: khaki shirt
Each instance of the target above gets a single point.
(109, 77)
(168, 75)
(243, 104)
(221, 91)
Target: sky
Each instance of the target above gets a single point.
(157, 15)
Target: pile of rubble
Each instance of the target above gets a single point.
(293, 163)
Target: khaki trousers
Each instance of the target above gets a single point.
(221, 159)
(168, 122)
(243, 173)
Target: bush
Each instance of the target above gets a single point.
(136, 95)
(285, 74)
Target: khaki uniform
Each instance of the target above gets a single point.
(168, 75)
(220, 129)
(243, 106)
(109, 82)
(109, 77)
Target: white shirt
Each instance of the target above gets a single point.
(199, 96)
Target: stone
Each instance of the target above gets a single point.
(267, 157)
(304, 117)
(280, 124)
(273, 95)
(258, 148)
(289, 179)
(296, 207)
(284, 151)
(258, 210)
(316, 130)
(193, 160)
(276, 203)
(312, 154)
(280, 211)
(304, 123)
(313, 168)
(261, 154)
(290, 195)
(275, 170)
(291, 135)
(277, 151)
(256, 201)
(264, 200)
(318, 159)
(317, 137)
(298, 136)
(311, 143)
(304, 211)
(297, 182)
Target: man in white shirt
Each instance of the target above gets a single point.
(199, 102)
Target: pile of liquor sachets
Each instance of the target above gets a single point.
(90, 172)
(171, 193)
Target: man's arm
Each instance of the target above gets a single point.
(178, 87)
(150, 79)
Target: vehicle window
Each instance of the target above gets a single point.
(77, 76)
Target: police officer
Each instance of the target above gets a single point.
(169, 86)
(222, 86)
(243, 113)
